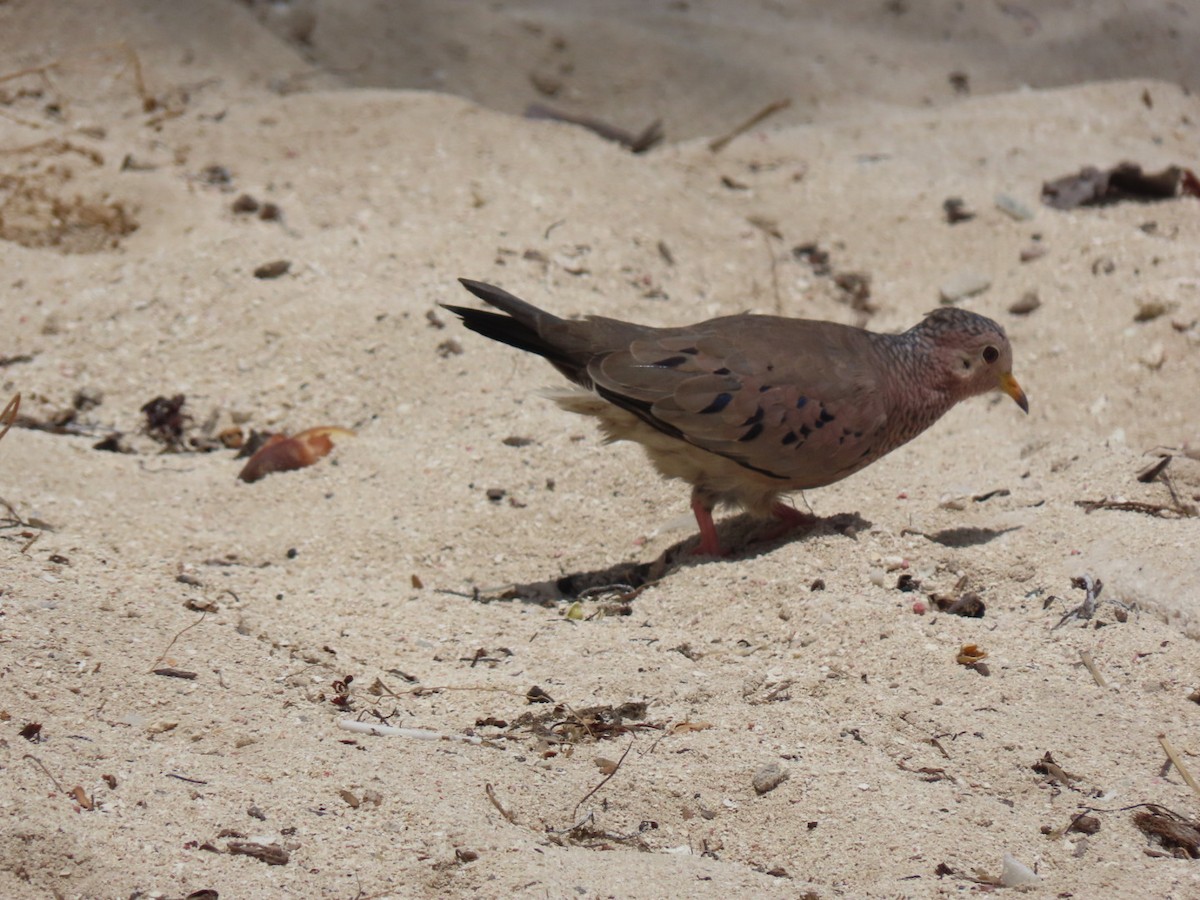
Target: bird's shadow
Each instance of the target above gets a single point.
(624, 581)
(968, 536)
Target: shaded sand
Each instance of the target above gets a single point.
(908, 773)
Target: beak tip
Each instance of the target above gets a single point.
(1009, 385)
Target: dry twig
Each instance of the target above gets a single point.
(603, 781)
(178, 635)
(716, 145)
(500, 808)
(9, 415)
(1178, 763)
(1086, 657)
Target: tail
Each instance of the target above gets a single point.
(525, 326)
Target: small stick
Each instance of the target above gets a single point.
(9, 415)
(41, 765)
(1086, 657)
(1177, 761)
(491, 795)
(605, 780)
(718, 144)
(420, 734)
(177, 637)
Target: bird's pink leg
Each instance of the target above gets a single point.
(709, 545)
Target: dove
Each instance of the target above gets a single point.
(748, 408)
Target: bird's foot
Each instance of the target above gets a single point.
(790, 519)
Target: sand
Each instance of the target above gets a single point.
(413, 577)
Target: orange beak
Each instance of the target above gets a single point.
(1009, 385)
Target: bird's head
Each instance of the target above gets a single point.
(971, 354)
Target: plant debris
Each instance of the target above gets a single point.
(562, 724)
(1124, 182)
(280, 453)
(644, 140)
(969, 605)
(1161, 510)
(1170, 830)
(1085, 610)
(172, 672)
(271, 854)
(716, 145)
(165, 420)
(1051, 769)
(972, 656)
(956, 210)
(9, 415)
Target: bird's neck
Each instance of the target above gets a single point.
(915, 392)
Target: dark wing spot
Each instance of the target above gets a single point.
(719, 402)
(800, 401)
(690, 351)
(754, 419)
(805, 431)
(670, 362)
(721, 371)
(764, 388)
(754, 432)
(790, 438)
(825, 416)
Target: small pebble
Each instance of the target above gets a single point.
(1032, 252)
(273, 269)
(1149, 310)
(245, 204)
(963, 285)
(1028, 303)
(1014, 208)
(769, 777)
(1086, 825)
(1154, 358)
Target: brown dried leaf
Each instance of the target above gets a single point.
(281, 453)
(970, 654)
(81, 797)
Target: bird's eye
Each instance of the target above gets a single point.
(990, 354)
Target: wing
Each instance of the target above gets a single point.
(794, 400)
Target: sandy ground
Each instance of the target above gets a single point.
(386, 581)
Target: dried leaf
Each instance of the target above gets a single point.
(970, 654)
(281, 453)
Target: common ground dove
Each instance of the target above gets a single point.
(746, 408)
